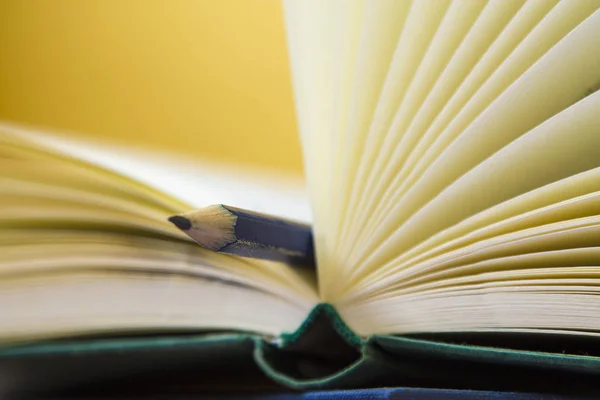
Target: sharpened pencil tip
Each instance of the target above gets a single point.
(181, 222)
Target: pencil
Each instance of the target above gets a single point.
(231, 230)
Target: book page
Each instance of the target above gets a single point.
(475, 165)
(63, 215)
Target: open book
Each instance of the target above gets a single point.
(452, 156)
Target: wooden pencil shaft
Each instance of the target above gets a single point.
(268, 237)
(271, 231)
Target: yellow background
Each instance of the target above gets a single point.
(208, 78)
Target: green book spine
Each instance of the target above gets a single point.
(323, 353)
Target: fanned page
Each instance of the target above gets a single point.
(86, 250)
(451, 150)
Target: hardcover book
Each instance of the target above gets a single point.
(451, 152)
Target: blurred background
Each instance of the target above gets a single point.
(197, 79)
(206, 78)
